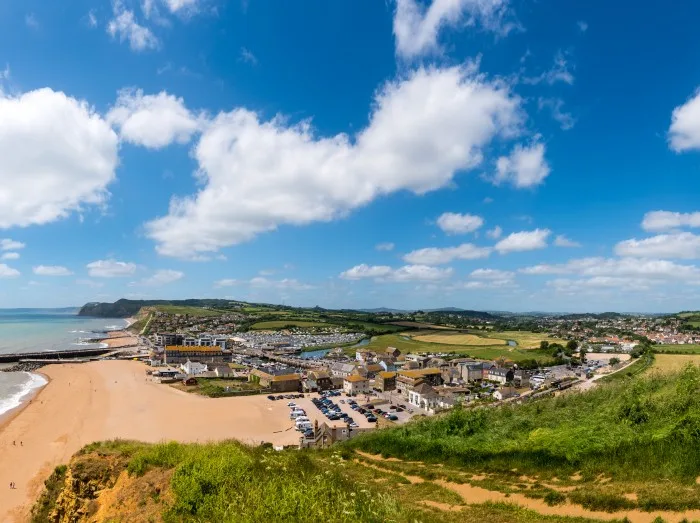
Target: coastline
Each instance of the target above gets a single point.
(109, 399)
(26, 399)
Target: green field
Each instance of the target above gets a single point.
(192, 311)
(406, 344)
(525, 340)
(677, 349)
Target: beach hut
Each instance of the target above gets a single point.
(190, 381)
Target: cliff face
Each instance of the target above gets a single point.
(125, 308)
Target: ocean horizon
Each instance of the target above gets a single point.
(43, 330)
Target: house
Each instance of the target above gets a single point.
(223, 371)
(192, 368)
(503, 393)
(181, 354)
(342, 370)
(521, 377)
(501, 375)
(408, 380)
(392, 351)
(385, 381)
(369, 370)
(419, 360)
(355, 384)
(276, 382)
(471, 372)
(387, 362)
(423, 397)
(318, 380)
(364, 355)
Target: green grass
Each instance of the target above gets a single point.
(216, 387)
(677, 349)
(406, 345)
(192, 311)
(646, 429)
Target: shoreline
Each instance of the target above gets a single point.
(26, 399)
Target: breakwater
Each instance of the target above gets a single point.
(53, 355)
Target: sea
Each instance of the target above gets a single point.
(43, 330)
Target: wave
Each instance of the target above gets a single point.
(36, 381)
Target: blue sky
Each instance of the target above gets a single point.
(487, 154)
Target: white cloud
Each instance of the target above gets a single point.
(439, 256)
(258, 175)
(51, 270)
(363, 270)
(525, 167)
(260, 282)
(684, 133)
(6, 244)
(110, 268)
(10, 256)
(125, 26)
(494, 233)
(386, 246)
(523, 241)
(491, 274)
(678, 245)
(162, 277)
(455, 223)
(582, 26)
(555, 105)
(7, 272)
(248, 57)
(5, 73)
(177, 6)
(662, 270)
(563, 241)
(558, 73)
(153, 121)
(665, 220)
(417, 29)
(45, 171)
(91, 18)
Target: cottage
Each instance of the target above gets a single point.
(385, 381)
(471, 372)
(190, 381)
(318, 381)
(355, 384)
(223, 371)
(423, 397)
(192, 368)
(501, 375)
(393, 352)
(408, 380)
(504, 393)
(276, 383)
(342, 370)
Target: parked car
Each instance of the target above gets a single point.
(372, 419)
(369, 406)
(271, 398)
(291, 404)
(393, 417)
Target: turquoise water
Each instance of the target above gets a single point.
(39, 330)
(42, 330)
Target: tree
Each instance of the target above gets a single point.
(572, 345)
(614, 361)
(582, 354)
(544, 345)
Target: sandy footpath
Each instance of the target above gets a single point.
(114, 399)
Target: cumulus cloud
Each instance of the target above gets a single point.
(661, 270)
(684, 133)
(260, 282)
(386, 246)
(51, 270)
(555, 106)
(125, 26)
(665, 220)
(455, 223)
(679, 245)
(153, 121)
(563, 241)
(47, 172)
(525, 167)
(494, 233)
(110, 268)
(442, 255)
(491, 274)
(10, 256)
(417, 28)
(407, 273)
(8, 272)
(7, 244)
(258, 174)
(523, 241)
(162, 277)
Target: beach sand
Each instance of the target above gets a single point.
(114, 399)
(120, 339)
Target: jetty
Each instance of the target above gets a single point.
(54, 355)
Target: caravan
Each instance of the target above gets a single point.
(296, 413)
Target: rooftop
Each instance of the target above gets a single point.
(419, 373)
(180, 348)
(354, 378)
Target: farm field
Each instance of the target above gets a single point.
(192, 311)
(526, 340)
(458, 338)
(264, 325)
(674, 362)
(681, 349)
(407, 344)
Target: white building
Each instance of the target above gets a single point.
(192, 368)
(355, 384)
(424, 397)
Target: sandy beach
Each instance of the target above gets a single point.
(114, 399)
(120, 339)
